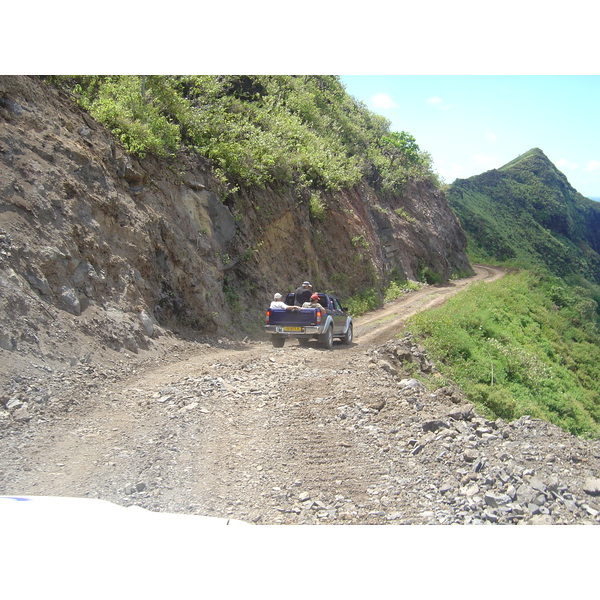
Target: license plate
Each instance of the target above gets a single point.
(292, 328)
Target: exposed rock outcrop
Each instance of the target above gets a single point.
(93, 241)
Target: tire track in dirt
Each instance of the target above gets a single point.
(267, 428)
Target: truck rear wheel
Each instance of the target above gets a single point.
(347, 339)
(326, 339)
(277, 342)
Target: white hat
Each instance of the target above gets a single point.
(277, 296)
(306, 283)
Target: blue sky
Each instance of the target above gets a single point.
(470, 124)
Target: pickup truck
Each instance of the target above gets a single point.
(309, 323)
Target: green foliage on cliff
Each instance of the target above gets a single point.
(372, 298)
(257, 130)
(525, 344)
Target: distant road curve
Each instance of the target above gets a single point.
(378, 326)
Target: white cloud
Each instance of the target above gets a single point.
(454, 171)
(438, 103)
(491, 136)
(383, 101)
(476, 164)
(485, 162)
(563, 163)
(592, 165)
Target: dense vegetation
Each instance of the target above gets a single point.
(530, 342)
(304, 131)
(525, 344)
(373, 298)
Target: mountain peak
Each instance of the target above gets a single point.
(533, 155)
(557, 226)
(534, 163)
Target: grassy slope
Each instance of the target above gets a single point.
(529, 343)
(521, 345)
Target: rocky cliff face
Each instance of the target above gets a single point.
(97, 244)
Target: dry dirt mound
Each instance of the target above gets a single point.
(293, 435)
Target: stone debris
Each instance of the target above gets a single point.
(327, 439)
(592, 486)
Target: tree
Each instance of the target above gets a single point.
(400, 146)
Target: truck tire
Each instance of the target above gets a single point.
(347, 339)
(277, 342)
(326, 338)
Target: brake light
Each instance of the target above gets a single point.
(267, 316)
(318, 314)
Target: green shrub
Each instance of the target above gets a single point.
(396, 288)
(363, 302)
(316, 207)
(401, 212)
(392, 292)
(359, 241)
(426, 275)
(136, 120)
(304, 131)
(498, 401)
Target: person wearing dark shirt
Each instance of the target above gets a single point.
(303, 294)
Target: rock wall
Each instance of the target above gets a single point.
(362, 239)
(96, 242)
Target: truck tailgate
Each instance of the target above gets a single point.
(288, 318)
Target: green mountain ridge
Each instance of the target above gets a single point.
(527, 214)
(528, 344)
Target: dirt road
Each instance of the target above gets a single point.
(264, 435)
(381, 325)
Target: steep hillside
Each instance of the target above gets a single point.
(527, 213)
(102, 251)
(529, 346)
